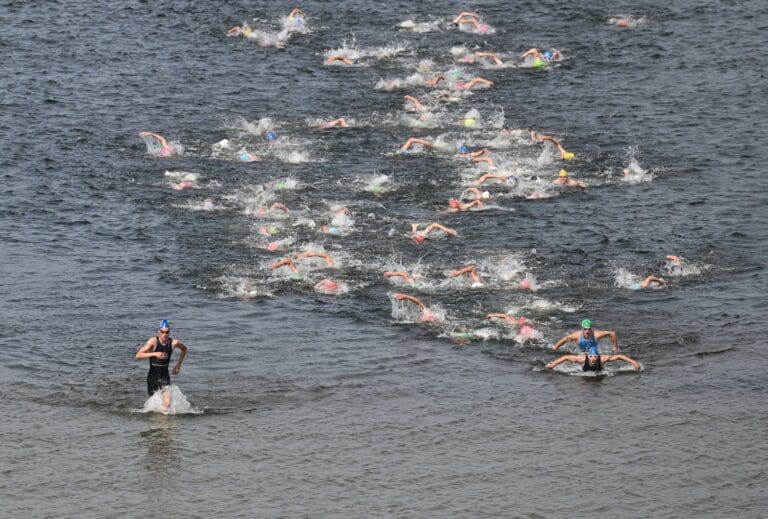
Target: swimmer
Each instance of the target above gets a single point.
(420, 236)
(313, 254)
(460, 85)
(328, 286)
(456, 206)
(593, 360)
(296, 14)
(342, 59)
(330, 229)
(469, 269)
(547, 55)
(540, 137)
(564, 180)
(465, 335)
(674, 265)
(434, 80)
(411, 280)
(426, 315)
(237, 30)
(510, 179)
(490, 55)
(165, 149)
(508, 318)
(412, 141)
(269, 230)
(624, 22)
(246, 156)
(587, 338)
(277, 206)
(646, 283)
(288, 262)
(184, 184)
(336, 123)
(159, 350)
(417, 106)
(271, 137)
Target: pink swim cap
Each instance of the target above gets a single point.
(526, 331)
(525, 284)
(427, 316)
(483, 27)
(419, 238)
(453, 203)
(460, 85)
(165, 151)
(331, 285)
(272, 246)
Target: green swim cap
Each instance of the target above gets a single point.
(376, 188)
(280, 185)
(416, 286)
(468, 336)
(586, 323)
(297, 275)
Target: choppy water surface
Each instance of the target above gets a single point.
(307, 404)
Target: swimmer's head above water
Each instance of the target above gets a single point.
(271, 136)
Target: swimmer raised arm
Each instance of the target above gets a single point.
(490, 55)
(160, 138)
(405, 297)
(436, 226)
(476, 81)
(455, 205)
(469, 269)
(489, 176)
(416, 104)
(464, 16)
(334, 59)
(295, 12)
(313, 254)
(434, 80)
(340, 122)
(478, 194)
(412, 141)
(406, 277)
(506, 317)
(285, 262)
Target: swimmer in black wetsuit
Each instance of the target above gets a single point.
(158, 350)
(593, 361)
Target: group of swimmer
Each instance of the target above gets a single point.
(159, 348)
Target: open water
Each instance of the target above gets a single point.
(309, 405)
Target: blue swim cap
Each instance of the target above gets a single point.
(271, 136)
(463, 149)
(593, 351)
(164, 325)
(547, 54)
(333, 230)
(245, 157)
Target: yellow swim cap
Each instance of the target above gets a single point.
(568, 155)
(470, 121)
(563, 173)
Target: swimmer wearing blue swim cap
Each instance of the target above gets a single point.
(271, 136)
(547, 55)
(463, 150)
(158, 350)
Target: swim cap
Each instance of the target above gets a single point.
(271, 136)
(469, 122)
(547, 54)
(486, 195)
(586, 323)
(484, 27)
(419, 238)
(563, 173)
(272, 229)
(593, 351)
(568, 155)
(468, 336)
(333, 230)
(463, 149)
(164, 325)
(376, 188)
(525, 284)
(245, 156)
(297, 275)
(427, 316)
(272, 246)
(280, 185)
(453, 203)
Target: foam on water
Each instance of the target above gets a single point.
(179, 403)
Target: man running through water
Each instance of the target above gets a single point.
(587, 337)
(593, 361)
(158, 350)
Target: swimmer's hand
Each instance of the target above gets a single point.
(160, 355)
(176, 370)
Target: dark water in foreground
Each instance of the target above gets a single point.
(317, 406)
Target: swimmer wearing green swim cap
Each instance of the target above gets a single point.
(587, 337)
